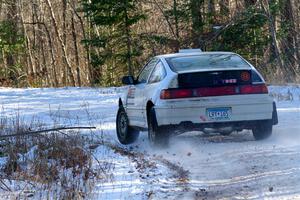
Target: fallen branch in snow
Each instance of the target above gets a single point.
(6, 187)
(44, 131)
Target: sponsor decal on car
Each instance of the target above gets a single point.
(131, 93)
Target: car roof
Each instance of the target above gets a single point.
(177, 55)
(174, 55)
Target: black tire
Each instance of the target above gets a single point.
(158, 136)
(263, 130)
(126, 134)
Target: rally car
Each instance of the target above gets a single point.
(195, 90)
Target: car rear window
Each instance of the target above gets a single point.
(207, 61)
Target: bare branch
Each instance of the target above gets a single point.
(44, 131)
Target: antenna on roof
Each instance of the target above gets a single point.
(190, 50)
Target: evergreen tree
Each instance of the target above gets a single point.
(116, 45)
(11, 46)
(247, 36)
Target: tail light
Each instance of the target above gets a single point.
(254, 89)
(213, 91)
(176, 93)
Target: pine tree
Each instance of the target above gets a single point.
(247, 35)
(115, 44)
(11, 46)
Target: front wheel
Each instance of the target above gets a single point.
(126, 134)
(158, 136)
(262, 130)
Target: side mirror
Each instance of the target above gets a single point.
(128, 80)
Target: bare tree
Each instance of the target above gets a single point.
(61, 41)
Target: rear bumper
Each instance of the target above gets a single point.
(187, 126)
(198, 115)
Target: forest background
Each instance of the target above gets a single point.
(55, 43)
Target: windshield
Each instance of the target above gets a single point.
(211, 61)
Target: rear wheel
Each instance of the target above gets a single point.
(125, 133)
(263, 130)
(158, 136)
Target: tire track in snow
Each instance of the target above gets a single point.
(168, 179)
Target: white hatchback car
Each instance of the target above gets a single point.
(193, 90)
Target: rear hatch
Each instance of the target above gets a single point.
(214, 79)
(212, 74)
(215, 83)
(216, 87)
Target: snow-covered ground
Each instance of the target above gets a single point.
(195, 166)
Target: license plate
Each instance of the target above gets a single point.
(218, 114)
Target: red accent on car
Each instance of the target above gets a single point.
(176, 94)
(217, 91)
(213, 91)
(203, 118)
(254, 89)
(245, 76)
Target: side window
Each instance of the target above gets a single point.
(158, 74)
(145, 73)
(256, 78)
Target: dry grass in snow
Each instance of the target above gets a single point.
(55, 164)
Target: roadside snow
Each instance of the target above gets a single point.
(233, 167)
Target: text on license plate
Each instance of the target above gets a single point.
(218, 113)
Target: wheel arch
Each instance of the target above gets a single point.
(120, 103)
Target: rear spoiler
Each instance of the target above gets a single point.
(212, 70)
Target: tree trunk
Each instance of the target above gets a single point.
(197, 23)
(63, 47)
(290, 43)
(64, 39)
(30, 60)
(175, 13)
(53, 61)
(12, 18)
(85, 36)
(76, 51)
(128, 38)
(275, 51)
